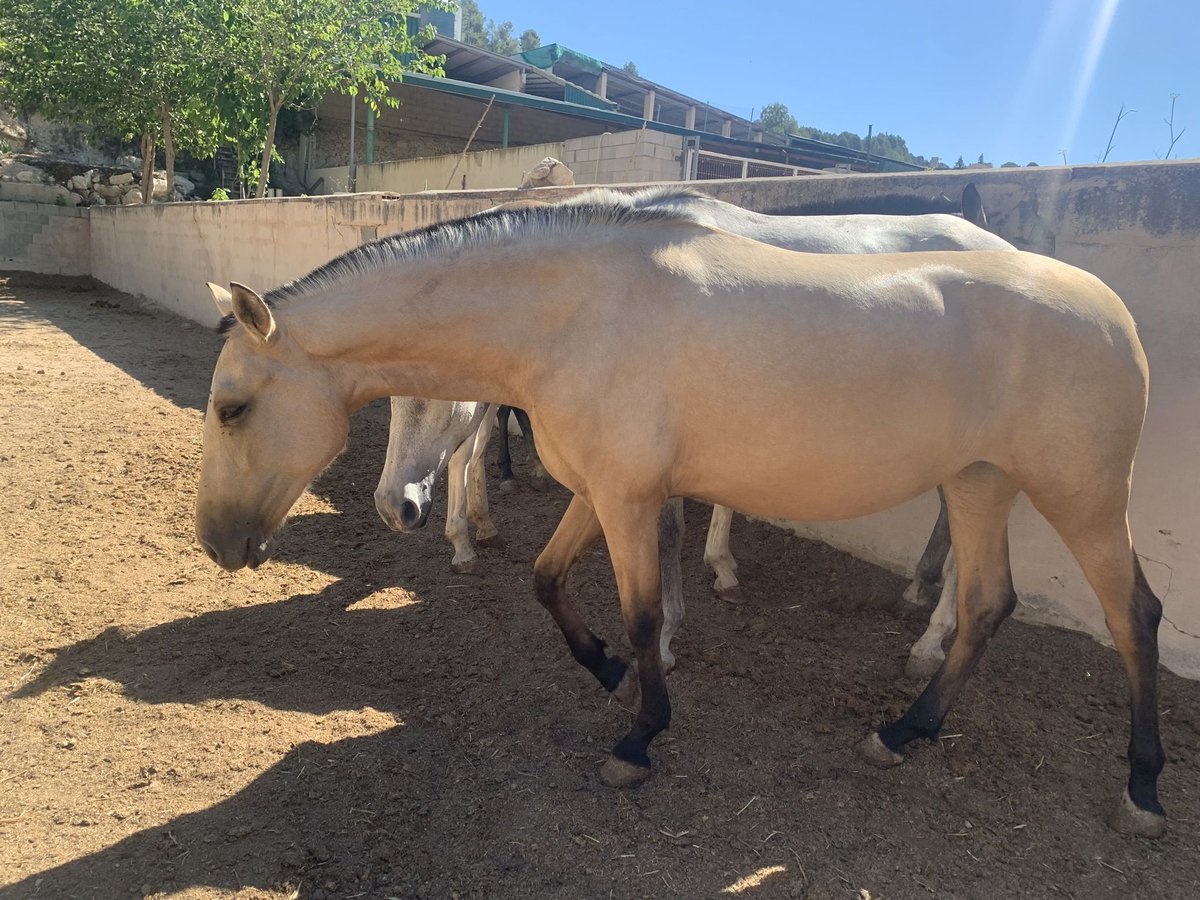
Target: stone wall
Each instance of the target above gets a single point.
(1135, 226)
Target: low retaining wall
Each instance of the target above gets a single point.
(42, 237)
(1135, 226)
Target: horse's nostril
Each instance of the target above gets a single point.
(211, 551)
(410, 514)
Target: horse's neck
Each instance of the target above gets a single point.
(422, 330)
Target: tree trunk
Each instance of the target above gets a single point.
(168, 150)
(265, 174)
(148, 167)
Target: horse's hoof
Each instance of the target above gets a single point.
(507, 486)
(629, 691)
(618, 773)
(876, 752)
(467, 567)
(492, 541)
(733, 595)
(922, 668)
(1129, 818)
(668, 663)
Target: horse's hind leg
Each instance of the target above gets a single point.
(933, 560)
(576, 531)
(539, 478)
(670, 574)
(503, 455)
(1102, 545)
(979, 500)
(718, 558)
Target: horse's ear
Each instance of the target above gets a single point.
(222, 298)
(252, 311)
(972, 206)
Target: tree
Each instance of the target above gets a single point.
(126, 68)
(474, 31)
(630, 67)
(1009, 165)
(959, 163)
(530, 39)
(775, 117)
(294, 52)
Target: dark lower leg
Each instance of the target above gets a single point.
(929, 568)
(924, 718)
(503, 457)
(589, 650)
(979, 499)
(670, 574)
(1146, 757)
(577, 530)
(655, 713)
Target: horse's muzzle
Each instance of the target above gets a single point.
(408, 512)
(236, 551)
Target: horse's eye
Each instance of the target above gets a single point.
(227, 414)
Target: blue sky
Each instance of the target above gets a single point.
(1015, 80)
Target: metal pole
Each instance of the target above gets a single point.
(352, 179)
(504, 132)
(370, 135)
(869, 129)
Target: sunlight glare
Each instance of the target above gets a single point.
(1091, 59)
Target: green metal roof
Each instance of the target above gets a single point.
(545, 58)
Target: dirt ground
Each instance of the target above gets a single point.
(354, 720)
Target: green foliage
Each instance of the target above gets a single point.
(1009, 165)
(474, 30)
(114, 65)
(219, 194)
(530, 39)
(776, 117)
(209, 72)
(959, 163)
(631, 68)
(490, 35)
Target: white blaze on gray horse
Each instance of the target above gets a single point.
(816, 234)
(850, 384)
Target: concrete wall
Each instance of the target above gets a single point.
(168, 251)
(42, 237)
(1135, 226)
(627, 157)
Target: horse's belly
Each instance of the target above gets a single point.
(824, 456)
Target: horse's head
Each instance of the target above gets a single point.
(276, 417)
(423, 436)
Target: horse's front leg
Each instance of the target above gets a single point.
(486, 533)
(631, 530)
(456, 511)
(577, 531)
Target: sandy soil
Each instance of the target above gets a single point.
(354, 720)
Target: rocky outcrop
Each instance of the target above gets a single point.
(37, 180)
